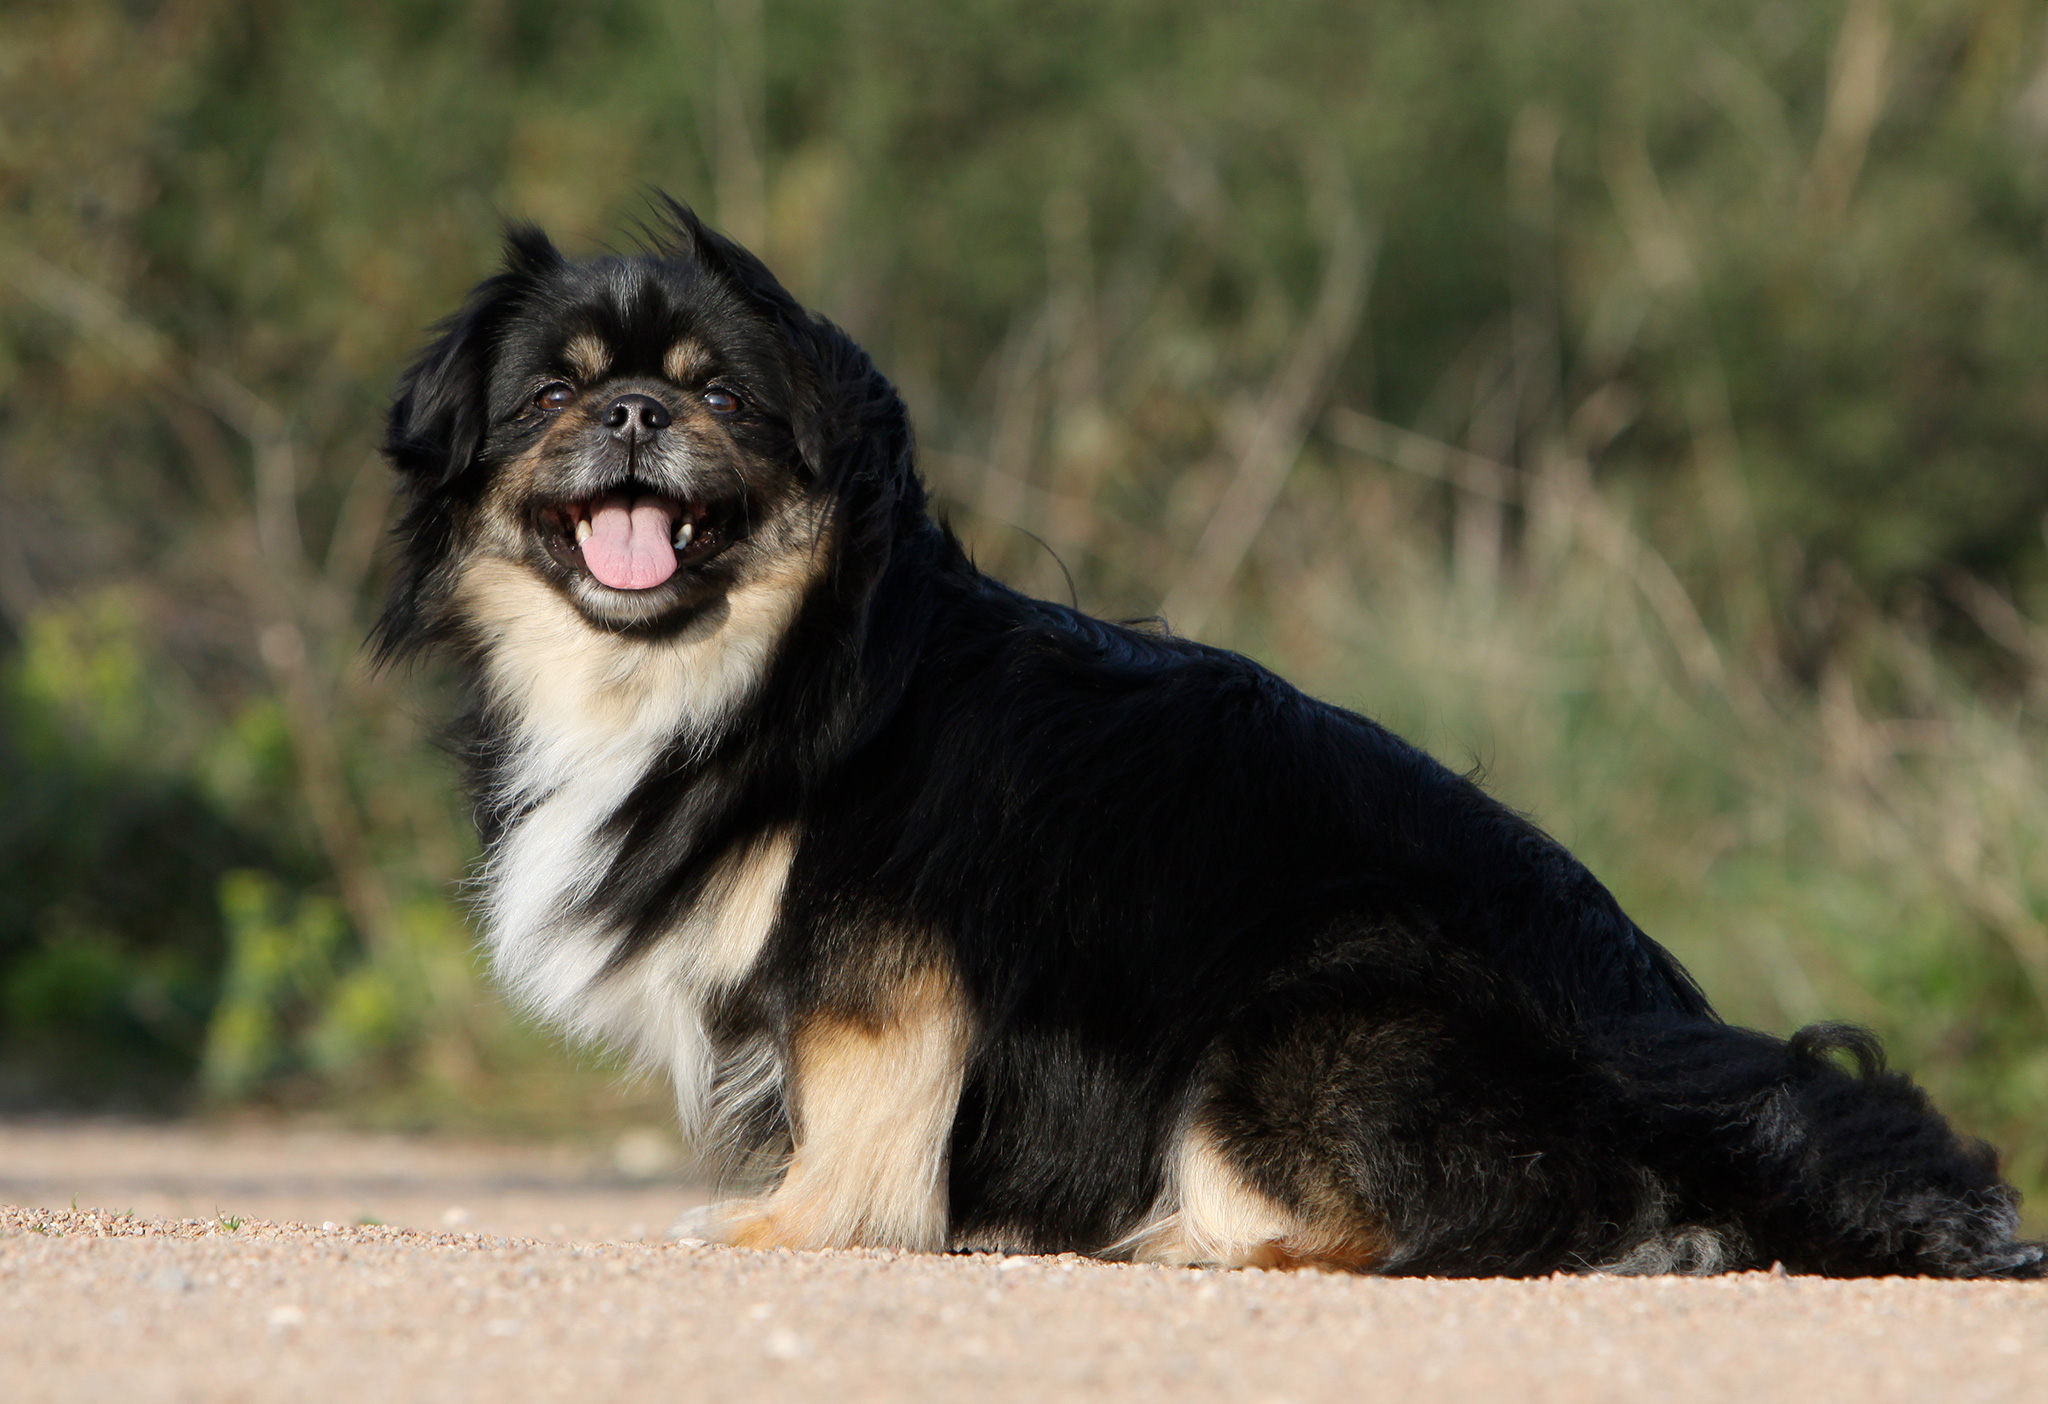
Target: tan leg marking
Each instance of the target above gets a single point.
(1213, 1216)
(872, 1105)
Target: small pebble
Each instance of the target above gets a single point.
(785, 1344)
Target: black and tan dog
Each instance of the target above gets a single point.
(971, 921)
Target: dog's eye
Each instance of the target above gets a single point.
(556, 395)
(720, 400)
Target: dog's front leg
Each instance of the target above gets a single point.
(871, 1102)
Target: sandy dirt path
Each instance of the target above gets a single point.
(625, 1188)
(136, 1309)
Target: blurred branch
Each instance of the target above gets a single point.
(1865, 763)
(1133, 544)
(2005, 625)
(1079, 426)
(1642, 564)
(19, 594)
(352, 546)
(92, 311)
(1291, 400)
(1018, 392)
(323, 782)
(1536, 334)
(1745, 96)
(1419, 454)
(277, 593)
(1663, 252)
(1857, 84)
(736, 164)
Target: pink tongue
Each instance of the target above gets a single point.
(630, 548)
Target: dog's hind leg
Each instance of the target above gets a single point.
(1212, 1214)
(871, 1103)
(1399, 1114)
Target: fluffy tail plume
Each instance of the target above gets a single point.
(1778, 1153)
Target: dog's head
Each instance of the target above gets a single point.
(641, 436)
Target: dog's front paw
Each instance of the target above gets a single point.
(712, 1222)
(742, 1223)
(757, 1225)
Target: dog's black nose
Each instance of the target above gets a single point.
(635, 417)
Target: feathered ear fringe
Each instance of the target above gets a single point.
(437, 425)
(838, 391)
(529, 252)
(678, 233)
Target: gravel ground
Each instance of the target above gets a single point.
(138, 1308)
(623, 1189)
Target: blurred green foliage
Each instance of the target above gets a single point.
(1646, 399)
(109, 842)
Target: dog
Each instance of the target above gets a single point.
(965, 921)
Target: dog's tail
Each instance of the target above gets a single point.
(1775, 1152)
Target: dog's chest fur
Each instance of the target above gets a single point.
(589, 717)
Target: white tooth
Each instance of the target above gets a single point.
(683, 534)
(582, 530)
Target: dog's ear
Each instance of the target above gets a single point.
(529, 253)
(832, 393)
(813, 350)
(436, 430)
(846, 417)
(438, 422)
(680, 234)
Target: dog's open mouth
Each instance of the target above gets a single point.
(634, 540)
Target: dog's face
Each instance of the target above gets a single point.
(625, 478)
(639, 439)
(627, 431)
